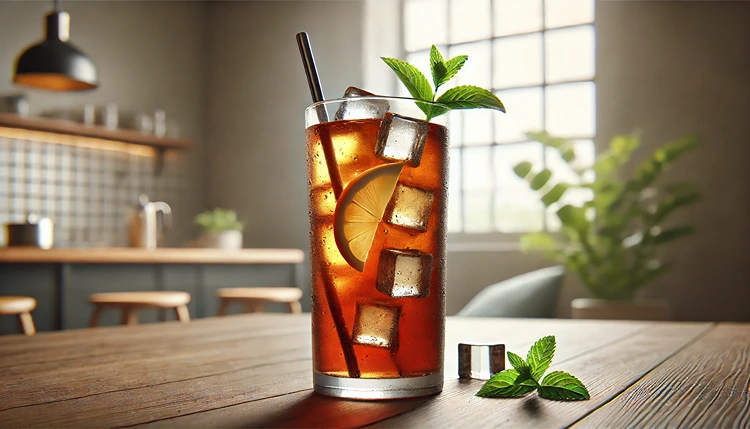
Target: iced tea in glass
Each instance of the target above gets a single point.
(377, 175)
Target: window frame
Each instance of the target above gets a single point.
(494, 239)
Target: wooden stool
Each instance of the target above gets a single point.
(20, 306)
(130, 302)
(255, 297)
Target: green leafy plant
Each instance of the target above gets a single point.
(610, 242)
(526, 376)
(218, 220)
(460, 97)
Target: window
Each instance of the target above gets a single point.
(538, 57)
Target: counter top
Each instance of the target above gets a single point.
(126, 255)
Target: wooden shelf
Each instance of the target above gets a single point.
(126, 255)
(70, 128)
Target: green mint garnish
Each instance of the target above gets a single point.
(526, 375)
(460, 97)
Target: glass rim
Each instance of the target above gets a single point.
(370, 97)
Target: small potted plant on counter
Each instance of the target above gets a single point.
(611, 241)
(221, 229)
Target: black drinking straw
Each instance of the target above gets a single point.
(316, 90)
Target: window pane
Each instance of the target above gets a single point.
(454, 183)
(571, 109)
(454, 212)
(569, 54)
(568, 12)
(564, 172)
(517, 16)
(476, 71)
(469, 20)
(478, 126)
(518, 61)
(517, 207)
(524, 113)
(456, 127)
(476, 168)
(425, 23)
(478, 211)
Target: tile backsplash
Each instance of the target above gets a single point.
(87, 192)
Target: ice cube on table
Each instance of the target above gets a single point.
(410, 207)
(480, 361)
(401, 138)
(376, 324)
(404, 273)
(360, 109)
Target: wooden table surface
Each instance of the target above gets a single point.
(255, 371)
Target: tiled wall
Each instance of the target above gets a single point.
(87, 192)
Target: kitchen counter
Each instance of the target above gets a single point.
(127, 255)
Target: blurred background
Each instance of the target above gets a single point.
(224, 81)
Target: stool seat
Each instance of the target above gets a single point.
(255, 297)
(130, 302)
(21, 307)
(163, 299)
(12, 305)
(269, 294)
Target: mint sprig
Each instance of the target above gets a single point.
(526, 375)
(460, 97)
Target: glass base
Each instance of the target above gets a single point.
(377, 388)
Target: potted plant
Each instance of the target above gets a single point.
(611, 241)
(221, 229)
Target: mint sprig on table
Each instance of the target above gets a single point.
(460, 97)
(526, 376)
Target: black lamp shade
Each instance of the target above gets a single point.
(54, 63)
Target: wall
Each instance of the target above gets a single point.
(149, 55)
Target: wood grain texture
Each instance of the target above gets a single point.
(606, 370)
(59, 126)
(706, 385)
(255, 371)
(126, 255)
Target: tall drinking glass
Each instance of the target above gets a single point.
(378, 179)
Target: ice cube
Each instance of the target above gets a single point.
(401, 138)
(376, 324)
(410, 207)
(480, 361)
(362, 109)
(404, 273)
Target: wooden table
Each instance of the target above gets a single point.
(255, 371)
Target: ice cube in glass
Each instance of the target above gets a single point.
(404, 273)
(360, 109)
(402, 138)
(376, 324)
(410, 207)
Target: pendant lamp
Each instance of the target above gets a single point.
(54, 63)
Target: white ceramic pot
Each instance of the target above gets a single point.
(228, 240)
(650, 309)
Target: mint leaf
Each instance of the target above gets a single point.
(540, 356)
(561, 386)
(416, 83)
(524, 371)
(470, 97)
(437, 65)
(503, 385)
(453, 66)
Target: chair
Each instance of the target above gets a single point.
(532, 294)
(20, 306)
(130, 302)
(254, 298)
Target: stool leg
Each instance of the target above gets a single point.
(129, 316)
(183, 315)
(223, 307)
(95, 316)
(295, 307)
(27, 323)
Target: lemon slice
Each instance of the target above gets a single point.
(360, 209)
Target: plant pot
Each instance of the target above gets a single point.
(227, 240)
(650, 309)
